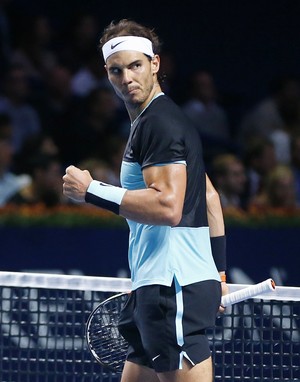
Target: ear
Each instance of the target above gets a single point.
(155, 64)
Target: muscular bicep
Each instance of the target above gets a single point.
(169, 182)
(162, 200)
(168, 179)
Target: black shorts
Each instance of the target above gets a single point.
(164, 324)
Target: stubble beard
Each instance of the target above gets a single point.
(140, 99)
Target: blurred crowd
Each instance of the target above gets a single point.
(57, 109)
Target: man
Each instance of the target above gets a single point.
(45, 186)
(229, 177)
(176, 285)
(24, 117)
(259, 160)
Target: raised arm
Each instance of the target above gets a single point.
(161, 203)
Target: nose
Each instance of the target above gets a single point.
(126, 77)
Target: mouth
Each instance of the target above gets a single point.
(132, 90)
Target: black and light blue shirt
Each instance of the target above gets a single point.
(163, 135)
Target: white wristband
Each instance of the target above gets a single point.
(105, 195)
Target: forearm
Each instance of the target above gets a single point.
(150, 206)
(147, 206)
(216, 227)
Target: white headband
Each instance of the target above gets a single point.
(116, 44)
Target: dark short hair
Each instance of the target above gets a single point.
(126, 27)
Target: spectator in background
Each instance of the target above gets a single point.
(88, 77)
(169, 78)
(229, 178)
(33, 48)
(209, 117)
(101, 119)
(39, 144)
(279, 193)
(108, 168)
(10, 183)
(98, 169)
(14, 102)
(275, 116)
(45, 188)
(81, 38)
(57, 96)
(289, 108)
(59, 108)
(259, 159)
(113, 155)
(295, 163)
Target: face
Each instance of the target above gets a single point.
(50, 179)
(235, 178)
(133, 77)
(282, 194)
(204, 87)
(267, 160)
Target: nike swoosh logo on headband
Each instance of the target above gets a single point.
(113, 46)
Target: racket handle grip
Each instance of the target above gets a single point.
(249, 292)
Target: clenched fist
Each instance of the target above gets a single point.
(76, 182)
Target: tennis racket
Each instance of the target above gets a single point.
(107, 345)
(104, 341)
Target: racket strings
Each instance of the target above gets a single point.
(105, 342)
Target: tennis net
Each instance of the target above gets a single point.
(43, 317)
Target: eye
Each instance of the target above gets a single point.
(114, 71)
(136, 66)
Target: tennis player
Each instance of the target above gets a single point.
(171, 208)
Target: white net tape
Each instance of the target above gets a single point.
(113, 284)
